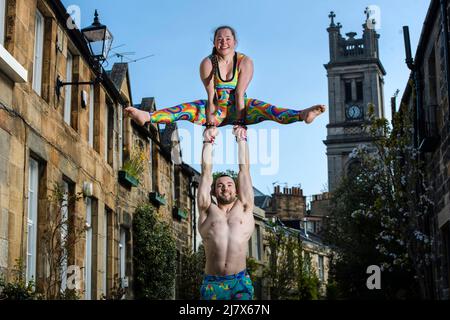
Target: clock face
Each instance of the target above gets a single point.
(354, 112)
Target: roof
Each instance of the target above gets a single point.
(304, 236)
(262, 201)
(118, 73)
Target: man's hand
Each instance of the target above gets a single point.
(240, 132)
(139, 116)
(210, 134)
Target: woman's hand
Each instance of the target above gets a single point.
(240, 132)
(210, 134)
(139, 116)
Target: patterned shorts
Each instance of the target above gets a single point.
(230, 287)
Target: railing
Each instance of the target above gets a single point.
(354, 48)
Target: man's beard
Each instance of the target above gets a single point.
(225, 200)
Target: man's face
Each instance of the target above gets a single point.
(225, 190)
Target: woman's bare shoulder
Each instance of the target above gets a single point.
(206, 61)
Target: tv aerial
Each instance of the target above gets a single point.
(124, 55)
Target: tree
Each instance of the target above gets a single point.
(154, 255)
(378, 216)
(191, 275)
(61, 232)
(289, 271)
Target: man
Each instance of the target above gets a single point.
(226, 226)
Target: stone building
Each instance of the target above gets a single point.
(80, 140)
(427, 97)
(289, 210)
(355, 80)
(287, 205)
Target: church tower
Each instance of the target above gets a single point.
(355, 80)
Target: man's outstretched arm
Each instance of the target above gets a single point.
(245, 188)
(206, 179)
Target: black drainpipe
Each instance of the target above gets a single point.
(411, 65)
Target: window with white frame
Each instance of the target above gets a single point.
(105, 251)
(68, 89)
(91, 116)
(38, 52)
(88, 255)
(2, 21)
(321, 269)
(109, 133)
(123, 254)
(33, 184)
(120, 111)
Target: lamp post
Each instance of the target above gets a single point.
(99, 40)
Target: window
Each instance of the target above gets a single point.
(96, 126)
(91, 116)
(321, 269)
(33, 184)
(109, 133)
(68, 89)
(177, 185)
(307, 262)
(432, 78)
(446, 250)
(122, 254)
(254, 243)
(348, 92)
(310, 226)
(120, 110)
(258, 242)
(88, 252)
(38, 52)
(359, 91)
(105, 250)
(2, 21)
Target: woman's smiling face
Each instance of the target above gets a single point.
(224, 41)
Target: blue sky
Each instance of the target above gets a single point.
(288, 43)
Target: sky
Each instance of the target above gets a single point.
(288, 43)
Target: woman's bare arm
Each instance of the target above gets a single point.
(207, 76)
(245, 76)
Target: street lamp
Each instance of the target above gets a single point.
(99, 40)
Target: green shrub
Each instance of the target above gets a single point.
(19, 288)
(154, 255)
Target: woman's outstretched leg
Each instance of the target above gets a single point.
(258, 111)
(194, 112)
(191, 111)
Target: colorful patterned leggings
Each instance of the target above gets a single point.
(226, 113)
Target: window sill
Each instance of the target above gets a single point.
(11, 67)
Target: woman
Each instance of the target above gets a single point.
(227, 102)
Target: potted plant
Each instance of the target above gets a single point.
(157, 199)
(133, 167)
